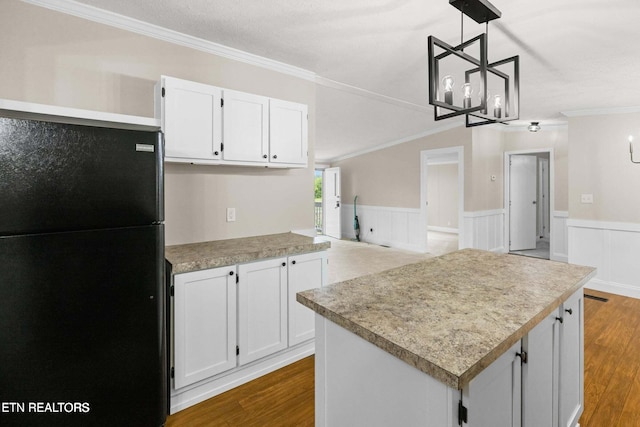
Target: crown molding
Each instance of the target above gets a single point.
(429, 132)
(102, 16)
(600, 111)
(354, 90)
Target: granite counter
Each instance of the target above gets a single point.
(451, 316)
(219, 253)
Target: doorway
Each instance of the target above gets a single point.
(529, 202)
(331, 209)
(441, 200)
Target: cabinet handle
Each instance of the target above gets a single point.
(284, 264)
(522, 356)
(264, 156)
(560, 319)
(275, 156)
(293, 262)
(215, 153)
(570, 311)
(231, 273)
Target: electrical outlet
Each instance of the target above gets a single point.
(231, 214)
(586, 198)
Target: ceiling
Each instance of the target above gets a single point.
(370, 56)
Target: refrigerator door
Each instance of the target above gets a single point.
(60, 177)
(82, 328)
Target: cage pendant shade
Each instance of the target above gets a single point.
(447, 102)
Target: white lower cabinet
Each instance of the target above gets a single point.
(550, 389)
(571, 372)
(204, 324)
(553, 376)
(262, 309)
(493, 398)
(233, 324)
(306, 271)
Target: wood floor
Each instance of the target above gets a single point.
(611, 380)
(611, 362)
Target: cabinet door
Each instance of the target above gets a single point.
(540, 374)
(262, 308)
(245, 119)
(493, 398)
(191, 119)
(306, 271)
(204, 324)
(287, 132)
(571, 382)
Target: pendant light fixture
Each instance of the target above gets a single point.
(450, 63)
(534, 127)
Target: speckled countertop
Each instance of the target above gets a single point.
(218, 253)
(453, 315)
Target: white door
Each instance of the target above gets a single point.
(522, 202)
(204, 324)
(191, 119)
(306, 271)
(287, 132)
(262, 308)
(245, 120)
(331, 202)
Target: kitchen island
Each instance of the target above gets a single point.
(442, 343)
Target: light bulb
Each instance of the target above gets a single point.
(630, 138)
(497, 106)
(447, 83)
(467, 91)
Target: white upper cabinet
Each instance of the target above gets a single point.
(245, 127)
(191, 119)
(209, 125)
(287, 132)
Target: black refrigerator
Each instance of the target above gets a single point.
(82, 298)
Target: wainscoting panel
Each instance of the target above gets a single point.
(484, 230)
(613, 249)
(559, 244)
(394, 227)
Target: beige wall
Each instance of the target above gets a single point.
(391, 177)
(599, 164)
(442, 195)
(52, 58)
(487, 160)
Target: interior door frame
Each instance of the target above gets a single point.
(324, 200)
(507, 186)
(424, 158)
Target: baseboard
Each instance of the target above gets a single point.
(205, 389)
(614, 288)
(442, 229)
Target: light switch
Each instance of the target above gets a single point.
(586, 198)
(231, 214)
